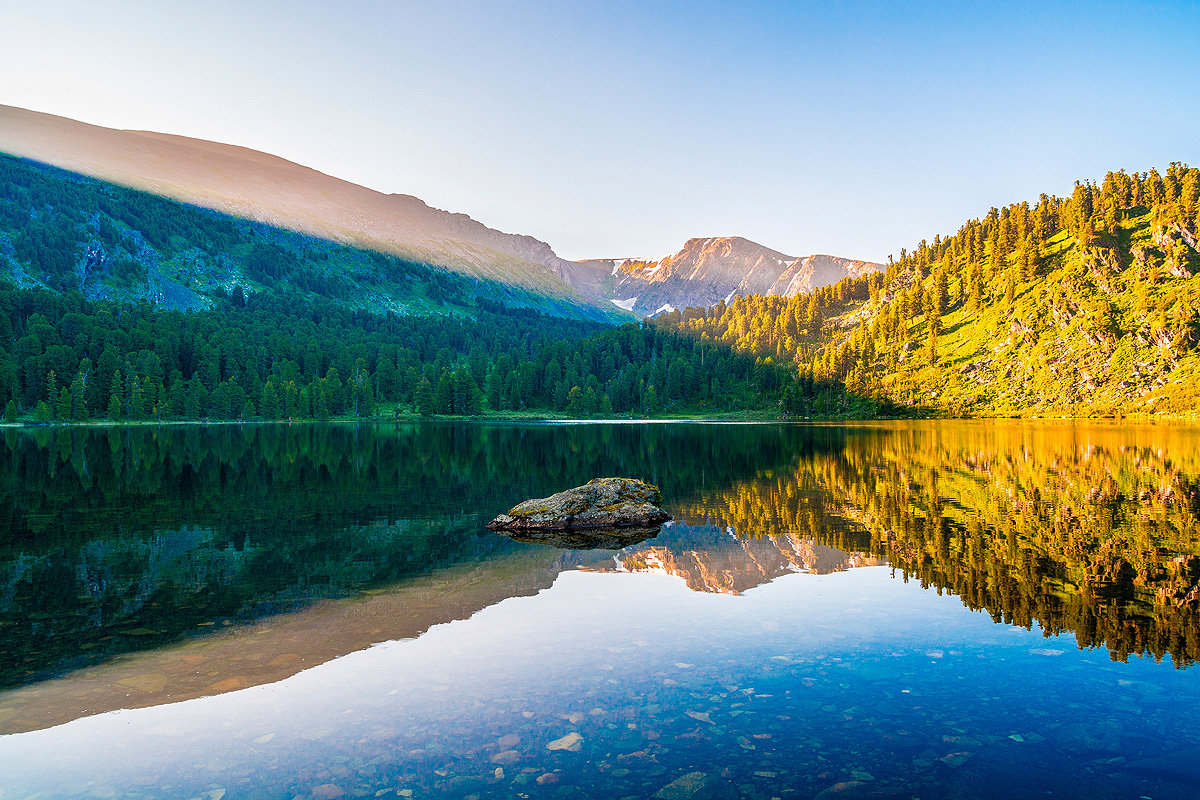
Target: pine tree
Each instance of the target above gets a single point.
(650, 401)
(52, 389)
(138, 408)
(935, 330)
(443, 397)
(362, 396)
(424, 397)
(117, 394)
(62, 404)
(78, 394)
(467, 397)
(195, 399)
(941, 294)
(976, 286)
(270, 401)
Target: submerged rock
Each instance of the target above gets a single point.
(572, 742)
(600, 503)
(697, 786)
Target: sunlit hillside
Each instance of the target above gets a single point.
(1084, 305)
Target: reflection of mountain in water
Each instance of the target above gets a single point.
(711, 559)
(116, 540)
(124, 540)
(1092, 530)
(280, 646)
(707, 558)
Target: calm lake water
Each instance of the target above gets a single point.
(924, 610)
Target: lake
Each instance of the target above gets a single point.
(884, 610)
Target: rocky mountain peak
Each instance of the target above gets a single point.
(707, 270)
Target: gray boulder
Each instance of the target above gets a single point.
(600, 503)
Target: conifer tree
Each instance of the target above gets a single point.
(117, 395)
(62, 404)
(935, 330)
(941, 294)
(424, 397)
(78, 393)
(52, 389)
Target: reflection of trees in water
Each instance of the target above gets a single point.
(123, 538)
(236, 478)
(1077, 531)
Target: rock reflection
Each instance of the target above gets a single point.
(584, 538)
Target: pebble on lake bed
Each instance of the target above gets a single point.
(697, 786)
(571, 742)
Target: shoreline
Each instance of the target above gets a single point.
(731, 418)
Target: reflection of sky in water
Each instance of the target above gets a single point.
(856, 678)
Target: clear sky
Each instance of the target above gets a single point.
(623, 129)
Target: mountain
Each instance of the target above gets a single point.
(265, 188)
(119, 304)
(1087, 305)
(708, 271)
(66, 232)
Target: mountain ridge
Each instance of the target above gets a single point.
(272, 190)
(708, 270)
(265, 188)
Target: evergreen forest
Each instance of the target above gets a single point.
(1086, 305)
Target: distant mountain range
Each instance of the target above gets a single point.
(708, 271)
(264, 188)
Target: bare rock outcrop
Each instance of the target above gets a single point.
(600, 503)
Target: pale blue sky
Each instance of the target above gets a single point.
(622, 129)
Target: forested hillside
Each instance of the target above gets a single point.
(66, 232)
(123, 305)
(1080, 305)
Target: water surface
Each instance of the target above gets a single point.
(895, 610)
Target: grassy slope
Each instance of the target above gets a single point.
(1074, 341)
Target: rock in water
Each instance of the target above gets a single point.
(572, 742)
(600, 503)
(697, 786)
